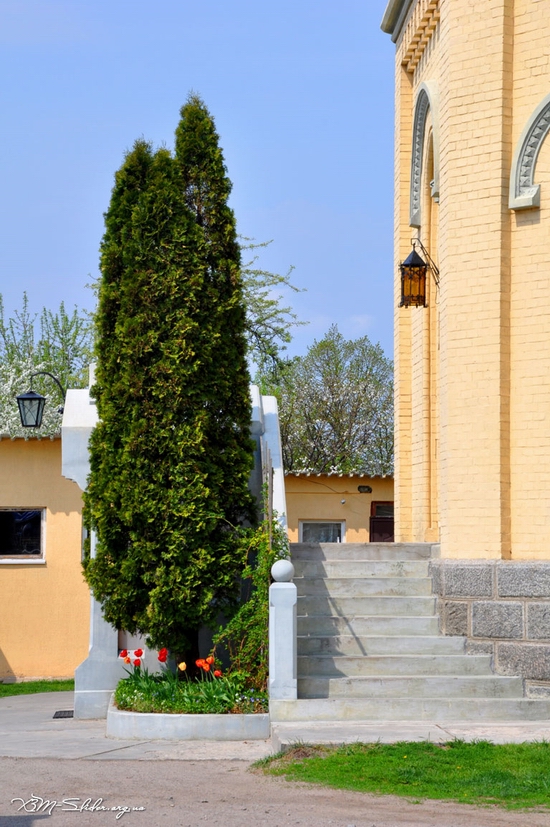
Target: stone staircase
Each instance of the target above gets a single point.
(369, 648)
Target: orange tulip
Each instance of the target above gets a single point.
(127, 659)
(217, 673)
(206, 667)
(210, 659)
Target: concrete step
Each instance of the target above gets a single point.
(350, 607)
(360, 568)
(345, 666)
(369, 625)
(364, 587)
(353, 644)
(285, 735)
(363, 551)
(448, 686)
(436, 710)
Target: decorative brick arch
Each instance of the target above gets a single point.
(427, 100)
(524, 193)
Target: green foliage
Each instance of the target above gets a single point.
(171, 455)
(335, 407)
(268, 322)
(509, 775)
(142, 692)
(246, 634)
(61, 344)
(34, 687)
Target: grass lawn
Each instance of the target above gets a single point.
(32, 687)
(508, 775)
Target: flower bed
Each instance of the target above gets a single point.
(175, 693)
(154, 726)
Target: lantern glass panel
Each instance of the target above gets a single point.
(31, 408)
(413, 286)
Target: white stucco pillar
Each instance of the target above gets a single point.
(283, 657)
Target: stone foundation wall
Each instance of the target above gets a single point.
(503, 608)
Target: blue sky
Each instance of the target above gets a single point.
(302, 96)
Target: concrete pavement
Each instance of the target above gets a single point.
(29, 730)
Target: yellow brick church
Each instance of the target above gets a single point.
(472, 182)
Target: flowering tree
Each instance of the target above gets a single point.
(336, 407)
(60, 344)
(168, 489)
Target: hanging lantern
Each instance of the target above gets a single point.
(31, 404)
(413, 281)
(31, 408)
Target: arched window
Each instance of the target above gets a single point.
(426, 100)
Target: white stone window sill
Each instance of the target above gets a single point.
(12, 561)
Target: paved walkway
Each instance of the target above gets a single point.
(29, 730)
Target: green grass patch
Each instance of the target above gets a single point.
(507, 775)
(32, 687)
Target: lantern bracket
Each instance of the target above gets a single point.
(431, 263)
(57, 382)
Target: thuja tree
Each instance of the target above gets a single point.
(171, 455)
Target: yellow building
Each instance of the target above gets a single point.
(45, 602)
(341, 508)
(472, 167)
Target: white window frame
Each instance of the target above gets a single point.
(317, 522)
(22, 560)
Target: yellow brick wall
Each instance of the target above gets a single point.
(530, 303)
(45, 607)
(472, 393)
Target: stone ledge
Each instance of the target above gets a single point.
(158, 726)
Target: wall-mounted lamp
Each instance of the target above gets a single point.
(413, 276)
(31, 404)
(364, 489)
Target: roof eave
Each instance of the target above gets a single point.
(395, 14)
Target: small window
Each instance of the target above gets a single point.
(381, 509)
(21, 534)
(322, 532)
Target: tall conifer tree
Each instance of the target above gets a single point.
(171, 455)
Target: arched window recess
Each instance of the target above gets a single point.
(413, 276)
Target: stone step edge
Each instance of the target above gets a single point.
(415, 638)
(459, 657)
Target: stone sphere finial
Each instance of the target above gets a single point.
(282, 571)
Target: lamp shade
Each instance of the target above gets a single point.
(413, 281)
(31, 408)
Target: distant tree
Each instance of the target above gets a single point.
(61, 344)
(268, 321)
(336, 407)
(171, 455)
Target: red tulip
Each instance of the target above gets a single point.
(137, 662)
(138, 653)
(163, 655)
(217, 673)
(124, 653)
